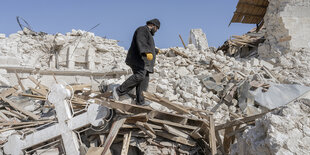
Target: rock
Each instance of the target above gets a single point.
(182, 71)
(4, 81)
(152, 88)
(60, 40)
(266, 64)
(216, 98)
(126, 99)
(254, 62)
(187, 96)
(211, 84)
(161, 88)
(170, 96)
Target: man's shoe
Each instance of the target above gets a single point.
(146, 103)
(114, 94)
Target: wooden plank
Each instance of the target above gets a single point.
(240, 121)
(39, 91)
(212, 136)
(34, 96)
(126, 143)
(94, 151)
(219, 142)
(113, 133)
(136, 109)
(78, 87)
(19, 114)
(147, 132)
(149, 127)
(20, 82)
(182, 41)
(175, 131)
(142, 117)
(195, 134)
(179, 53)
(21, 127)
(9, 92)
(15, 106)
(124, 107)
(4, 117)
(11, 114)
(41, 86)
(176, 139)
(173, 124)
(166, 103)
(24, 123)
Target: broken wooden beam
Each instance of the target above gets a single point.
(17, 107)
(212, 136)
(166, 103)
(20, 82)
(113, 133)
(175, 131)
(177, 139)
(147, 132)
(182, 41)
(240, 121)
(126, 143)
(179, 53)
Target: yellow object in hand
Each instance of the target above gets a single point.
(149, 56)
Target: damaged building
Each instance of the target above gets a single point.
(250, 96)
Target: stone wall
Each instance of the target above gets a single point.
(287, 23)
(287, 42)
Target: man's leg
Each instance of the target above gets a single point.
(142, 86)
(135, 79)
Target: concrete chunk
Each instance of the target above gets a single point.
(199, 39)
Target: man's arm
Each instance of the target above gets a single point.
(141, 40)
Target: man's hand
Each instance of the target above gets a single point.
(149, 56)
(157, 51)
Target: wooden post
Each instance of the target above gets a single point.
(126, 143)
(212, 137)
(182, 41)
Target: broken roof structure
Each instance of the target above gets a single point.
(250, 12)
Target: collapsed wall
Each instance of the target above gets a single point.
(287, 23)
(287, 44)
(76, 57)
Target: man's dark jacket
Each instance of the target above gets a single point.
(142, 43)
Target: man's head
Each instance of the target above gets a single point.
(153, 25)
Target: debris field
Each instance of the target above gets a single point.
(251, 96)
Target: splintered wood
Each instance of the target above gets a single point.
(199, 134)
(242, 45)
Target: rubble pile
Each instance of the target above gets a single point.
(74, 57)
(195, 95)
(244, 46)
(250, 100)
(283, 131)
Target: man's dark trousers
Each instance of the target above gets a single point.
(139, 79)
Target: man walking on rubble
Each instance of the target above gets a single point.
(140, 58)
